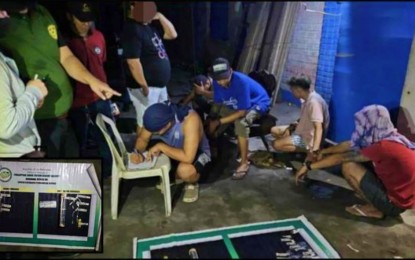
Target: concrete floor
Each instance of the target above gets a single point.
(264, 195)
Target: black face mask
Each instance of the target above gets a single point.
(16, 6)
(4, 26)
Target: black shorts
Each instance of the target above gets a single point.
(200, 162)
(374, 190)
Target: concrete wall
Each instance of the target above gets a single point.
(305, 44)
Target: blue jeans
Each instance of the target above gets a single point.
(83, 122)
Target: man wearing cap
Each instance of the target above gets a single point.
(148, 63)
(88, 45)
(183, 141)
(240, 100)
(34, 42)
(18, 103)
(200, 95)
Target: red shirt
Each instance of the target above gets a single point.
(395, 166)
(92, 53)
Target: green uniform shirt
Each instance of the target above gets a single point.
(32, 42)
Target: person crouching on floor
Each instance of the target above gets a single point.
(181, 138)
(313, 123)
(200, 96)
(388, 190)
(238, 100)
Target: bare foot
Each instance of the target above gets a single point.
(365, 211)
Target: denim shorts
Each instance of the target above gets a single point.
(375, 192)
(298, 141)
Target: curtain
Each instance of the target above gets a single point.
(282, 42)
(258, 16)
(268, 38)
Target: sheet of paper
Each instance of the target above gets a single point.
(142, 166)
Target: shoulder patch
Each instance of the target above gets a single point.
(52, 31)
(97, 50)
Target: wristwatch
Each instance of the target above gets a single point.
(316, 152)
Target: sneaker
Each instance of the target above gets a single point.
(191, 192)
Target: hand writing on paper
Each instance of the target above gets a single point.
(153, 152)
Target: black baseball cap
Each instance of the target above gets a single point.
(82, 10)
(220, 69)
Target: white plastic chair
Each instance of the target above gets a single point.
(119, 169)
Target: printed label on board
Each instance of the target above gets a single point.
(48, 204)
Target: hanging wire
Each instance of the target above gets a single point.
(317, 11)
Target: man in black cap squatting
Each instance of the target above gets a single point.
(240, 100)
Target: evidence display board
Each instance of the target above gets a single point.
(46, 204)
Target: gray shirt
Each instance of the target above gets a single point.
(18, 132)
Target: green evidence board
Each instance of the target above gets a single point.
(44, 204)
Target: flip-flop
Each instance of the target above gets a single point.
(356, 209)
(239, 175)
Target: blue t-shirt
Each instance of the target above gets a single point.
(243, 93)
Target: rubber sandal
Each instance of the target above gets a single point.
(355, 209)
(239, 175)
